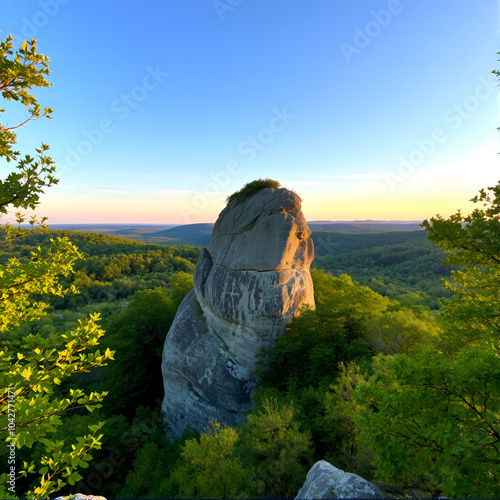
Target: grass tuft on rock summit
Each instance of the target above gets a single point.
(252, 188)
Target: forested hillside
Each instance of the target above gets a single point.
(136, 289)
(112, 268)
(307, 383)
(392, 263)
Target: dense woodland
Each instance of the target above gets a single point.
(393, 263)
(305, 409)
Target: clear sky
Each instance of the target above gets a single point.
(369, 109)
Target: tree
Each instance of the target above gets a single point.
(211, 468)
(31, 374)
(137, 335)
(438, 412)
(472, 316)
(338, 422)
(18, 74)
(352, 304)
(33, 405)
(401, 331)
(150, 468)
(276, 448)
(436, 416)
(317, 341)
(472, 239)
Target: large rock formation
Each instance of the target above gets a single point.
(326, 481)
(245, 292)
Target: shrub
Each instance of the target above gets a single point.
(252, 188)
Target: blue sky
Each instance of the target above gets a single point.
(368, 109)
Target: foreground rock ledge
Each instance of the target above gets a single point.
(246, 290)
(326, 481)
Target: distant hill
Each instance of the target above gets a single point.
(365, 221)
(322, 232)
(200, 233)
(368, 226)
(118, 229)
(137, 232)
(336, 243)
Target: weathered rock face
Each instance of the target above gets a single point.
(266, 233)
(245, 292)
(326, 481)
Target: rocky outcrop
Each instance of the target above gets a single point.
(326, 481)
(201, 379)
(246, 290)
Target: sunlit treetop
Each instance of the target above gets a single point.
(472, 239)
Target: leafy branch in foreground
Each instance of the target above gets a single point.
(20, 282)
(32, 369)
(436, 416)
(32, 374)
(20, 72)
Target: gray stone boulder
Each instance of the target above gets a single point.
(249, 309)
(267, 232)
(200, 376)
(246, 290)
(326, 481)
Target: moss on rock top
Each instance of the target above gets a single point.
(251, 188)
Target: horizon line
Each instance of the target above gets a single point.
(322, 221)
